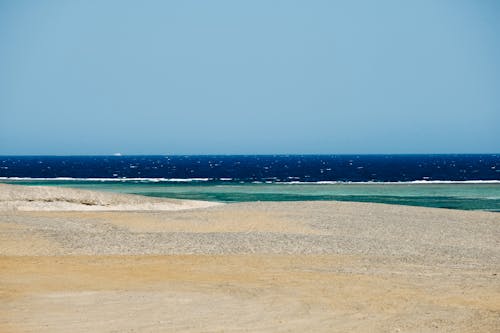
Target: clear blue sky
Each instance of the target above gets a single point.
(205, 77)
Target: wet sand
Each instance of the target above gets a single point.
(256, 267)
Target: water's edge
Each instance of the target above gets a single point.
(454, 195)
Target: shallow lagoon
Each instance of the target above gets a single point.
(468, 196)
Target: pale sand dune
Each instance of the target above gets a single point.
(49, 198)
(249, 267)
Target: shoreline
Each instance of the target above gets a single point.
(461, 196)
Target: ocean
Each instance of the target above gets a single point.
(469, 182)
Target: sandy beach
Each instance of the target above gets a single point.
(82, 261)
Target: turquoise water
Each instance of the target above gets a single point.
(456, 196)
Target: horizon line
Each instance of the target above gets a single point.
(241, 154)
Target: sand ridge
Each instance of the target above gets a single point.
(49, 198)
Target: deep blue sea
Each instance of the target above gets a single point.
(448, 181)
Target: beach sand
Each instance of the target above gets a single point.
(245, 267)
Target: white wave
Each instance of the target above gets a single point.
(295, 182)
(187, 179)
(455, 182)
(418, 182)
(108, 179)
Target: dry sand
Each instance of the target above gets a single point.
(247, 267)
(44, 198)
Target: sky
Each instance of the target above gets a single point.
(249, 77)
